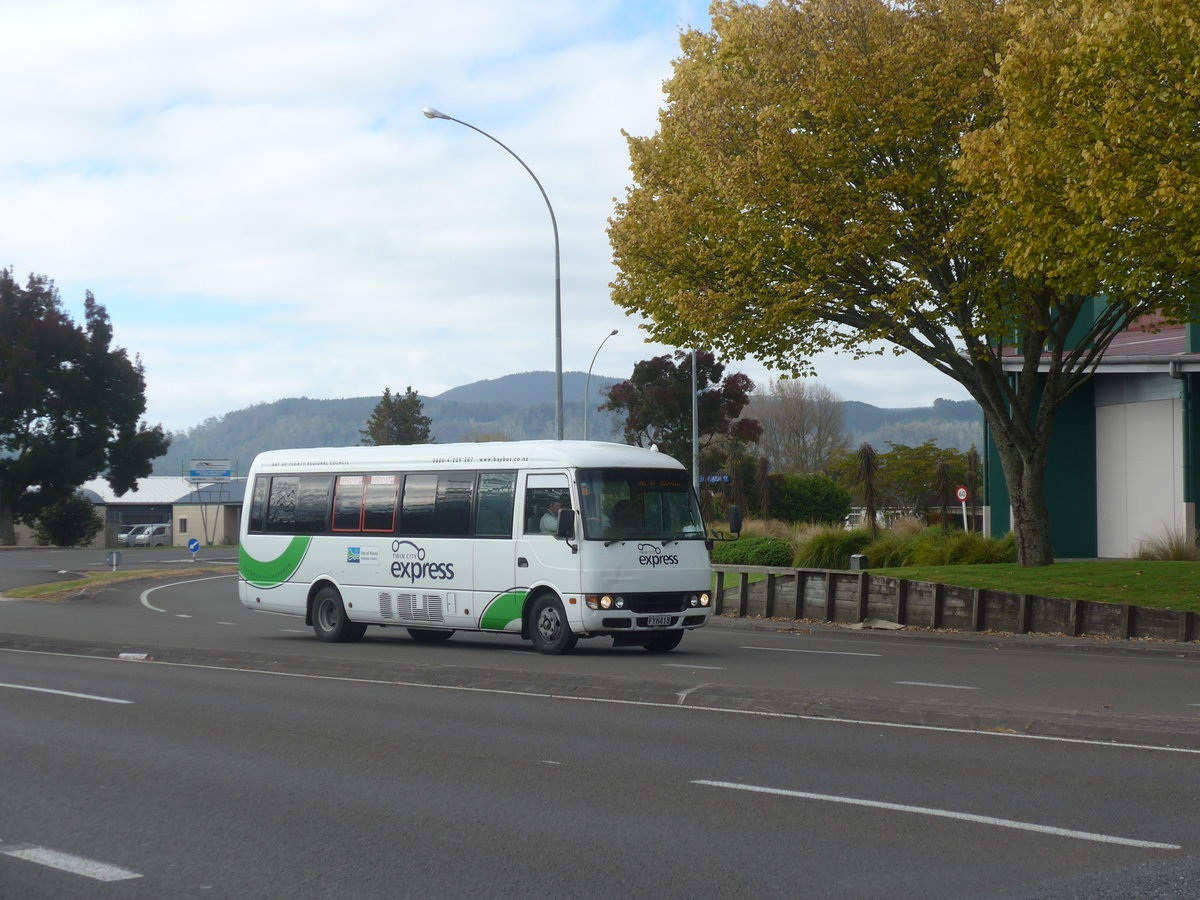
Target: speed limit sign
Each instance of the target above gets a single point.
(961, 494)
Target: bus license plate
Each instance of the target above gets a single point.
(658, 620)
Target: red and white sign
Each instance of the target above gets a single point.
(961, 494)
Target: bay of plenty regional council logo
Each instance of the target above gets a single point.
(360, 555)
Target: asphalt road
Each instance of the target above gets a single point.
(233, 755)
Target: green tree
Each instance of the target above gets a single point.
(70, 404)
(808, 498)
(902, 480)
(867, 461)
(397, 420)
(71, 522)
(801, 195)
(657, 404)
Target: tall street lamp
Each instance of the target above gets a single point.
(695, 429)
(431, 113)
(587, 385)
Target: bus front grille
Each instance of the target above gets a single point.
(656, 603)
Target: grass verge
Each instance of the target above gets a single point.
(59, 590)
(1139, 582)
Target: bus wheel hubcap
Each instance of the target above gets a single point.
(548, 624)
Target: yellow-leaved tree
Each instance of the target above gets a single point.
(803, 193)
(1091, 178)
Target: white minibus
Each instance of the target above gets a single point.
(550, 540)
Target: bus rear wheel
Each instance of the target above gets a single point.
(548, 627)
(329, 618)
(663, 642)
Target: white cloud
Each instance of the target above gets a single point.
(252, 191)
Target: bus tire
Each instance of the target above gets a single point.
(329, 618)
(663, 641)
(429, 635)
(548, 626)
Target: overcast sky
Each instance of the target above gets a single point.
(251, 190)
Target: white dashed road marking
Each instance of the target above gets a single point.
(42, 690)
(934, 684)
(67, 862)
(821, 652)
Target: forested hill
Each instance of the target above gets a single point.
(517, 407)
(948, 423)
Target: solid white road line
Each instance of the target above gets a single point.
(946, 814)
(42, 690)
(686, 666)
(822, 652)
(146, 593)
(934, 684)
(68, 862)
(574, 698)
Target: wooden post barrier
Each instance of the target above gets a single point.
(902, 601)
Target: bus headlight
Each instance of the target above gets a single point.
(604, 601)
(701, 599)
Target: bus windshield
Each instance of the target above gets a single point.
(639, 504)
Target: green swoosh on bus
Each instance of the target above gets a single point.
(272, 572)
(502, 609)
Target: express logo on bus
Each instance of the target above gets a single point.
(651, 555)
(408, 564)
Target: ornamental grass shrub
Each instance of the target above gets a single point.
(831, 548)
(907, 543)
(1171, 544)
(934, 547)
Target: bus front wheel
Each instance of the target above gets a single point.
(549, 629)
(329, 618)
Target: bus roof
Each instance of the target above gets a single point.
(487, 455)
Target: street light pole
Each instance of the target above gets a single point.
(587, 385)
(431, 113)
(695, 429)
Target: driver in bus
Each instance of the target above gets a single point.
(549, 523)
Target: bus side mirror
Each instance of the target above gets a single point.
(566, 525)
(735, 519)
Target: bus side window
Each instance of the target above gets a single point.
(416, 508)
(258, 503)
(495, 504)
(348, 503)
(453, 510)
(540, 492)
(379, 503)
(299, 504)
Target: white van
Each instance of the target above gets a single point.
(153, 536)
